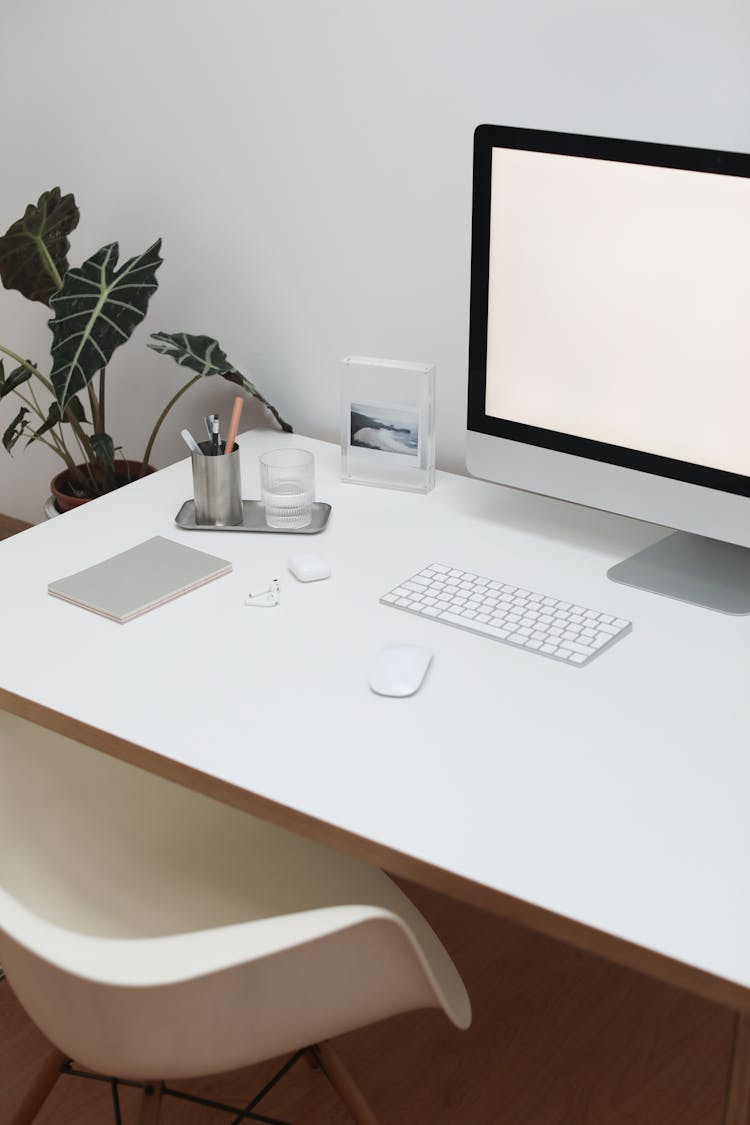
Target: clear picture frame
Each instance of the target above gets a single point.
(388, 423)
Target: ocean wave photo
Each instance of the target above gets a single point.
(389, 429)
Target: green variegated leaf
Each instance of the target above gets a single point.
(96, 311)
(54, 418)
(17, 376)
(34, 250)
(15, 429)
(103, 447)
(199, 353)
(205, 356)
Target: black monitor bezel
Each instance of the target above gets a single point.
(487, 137)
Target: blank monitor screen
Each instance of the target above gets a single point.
(611, 302)
(602, 323)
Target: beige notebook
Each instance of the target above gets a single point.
(139, 579)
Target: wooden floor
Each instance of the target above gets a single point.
(559, 1038)
(9, 525)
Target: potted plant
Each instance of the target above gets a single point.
(95, 311)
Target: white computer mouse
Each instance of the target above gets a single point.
(308, 568)
(399, 669)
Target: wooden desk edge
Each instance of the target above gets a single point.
(557, 926)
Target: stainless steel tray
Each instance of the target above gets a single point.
(254, 519)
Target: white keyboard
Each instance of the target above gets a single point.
(531, 621)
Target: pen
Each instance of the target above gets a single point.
(215, 436)
(234, 422)
(190, 442)
(208, 422)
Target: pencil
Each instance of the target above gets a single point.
(234, 422)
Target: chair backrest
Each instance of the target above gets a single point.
(129, 904)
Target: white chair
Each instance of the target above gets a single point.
(152, 933)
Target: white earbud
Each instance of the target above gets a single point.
(265, 598)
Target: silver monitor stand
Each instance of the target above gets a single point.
(692, 569)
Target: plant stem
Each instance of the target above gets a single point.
(59, 446)
(55, 450)
(83, 441)
(75, 424)
(30, 402)
(162, 416)
(55, 444)
(29, 367)
(94, 404)
(102, 426)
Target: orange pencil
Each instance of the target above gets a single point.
(234, 422)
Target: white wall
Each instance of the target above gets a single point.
(308, 165)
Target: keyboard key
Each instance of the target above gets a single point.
(573, 646)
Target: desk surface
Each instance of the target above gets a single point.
(605, 805)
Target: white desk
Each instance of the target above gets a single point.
(607, 805)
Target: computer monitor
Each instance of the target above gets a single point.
(609, 353)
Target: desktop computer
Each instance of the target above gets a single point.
(609, 355)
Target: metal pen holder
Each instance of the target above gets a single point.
(217, 487)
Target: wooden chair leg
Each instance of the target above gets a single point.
(344, 1085)
(39, 1091)
(151, 1104)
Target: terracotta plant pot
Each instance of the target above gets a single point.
(125, 472)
